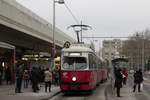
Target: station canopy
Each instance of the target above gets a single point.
(6, 45)
(119, 60)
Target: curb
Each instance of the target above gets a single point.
(109, 92)
(50, 97)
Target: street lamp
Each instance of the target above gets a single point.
(53, 44)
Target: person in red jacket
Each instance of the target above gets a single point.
(125, 75)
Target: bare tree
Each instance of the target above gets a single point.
(132, 48)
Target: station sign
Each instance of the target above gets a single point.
(67, 44)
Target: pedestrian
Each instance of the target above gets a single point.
(125, 74)
(26, 78)
(48, 79)
(30, 76)
(19, 76)
(35, 79)
(138, 79)
(1, 75)
(40, 76)
(43, 74)
(118, 81)
(57, 74)
(8, 75)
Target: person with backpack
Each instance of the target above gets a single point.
(26, 78)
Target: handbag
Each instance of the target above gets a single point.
(141, 86)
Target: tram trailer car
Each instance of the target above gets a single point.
(80, 70)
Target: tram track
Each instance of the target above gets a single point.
(97, 94)
(62, 96)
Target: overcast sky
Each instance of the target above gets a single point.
(107, 17)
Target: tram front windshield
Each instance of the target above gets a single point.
(74, 63)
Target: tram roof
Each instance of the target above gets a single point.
(78, 48)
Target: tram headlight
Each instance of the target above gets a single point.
(74, 79)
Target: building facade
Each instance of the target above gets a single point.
(111, 49)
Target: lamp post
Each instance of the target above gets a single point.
(53, 44)
(143, 52)
(138, 52)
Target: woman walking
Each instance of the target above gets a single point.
(138, 79)
(48, 79)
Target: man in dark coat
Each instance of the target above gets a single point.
(8, 75)
(19, 76)
(35, 79)
(118, 81)
(138, 79)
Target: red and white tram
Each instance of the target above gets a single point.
(81, 69)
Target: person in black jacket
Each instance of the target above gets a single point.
(19, 76)
(35, 79)
(118, 81)
(8, 75)
(138, 79)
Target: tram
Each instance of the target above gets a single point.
(81, 69)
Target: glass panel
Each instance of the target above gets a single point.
(68, 63)
(77, 63)
(80, 63)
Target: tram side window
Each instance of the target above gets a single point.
(94, 63)
(91, 61)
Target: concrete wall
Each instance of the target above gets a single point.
(16, 16)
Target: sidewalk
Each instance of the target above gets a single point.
(7, 92)
(126, 93)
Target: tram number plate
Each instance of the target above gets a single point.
(74, 87)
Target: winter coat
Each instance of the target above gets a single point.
(35, 76)
(138, 77)
(19, 73)
(125, 73)
(48, 76)
(118, 81)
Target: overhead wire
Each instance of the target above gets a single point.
(72, 14)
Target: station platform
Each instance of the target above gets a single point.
(7, 92)
(126, 92)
